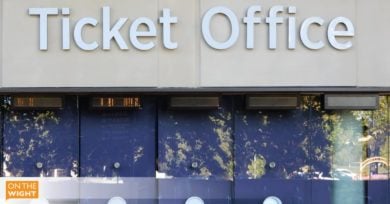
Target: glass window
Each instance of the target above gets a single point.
(118, 142)
(118, 149)
(317, 156)
(272, 154)
(357, 149)
(41, 143)
(195, 153)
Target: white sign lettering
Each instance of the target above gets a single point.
(339, 27)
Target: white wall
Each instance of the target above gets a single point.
(194, 63)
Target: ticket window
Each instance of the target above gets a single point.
(313, 155)
(41, 140)
(375, 142)
(272, 152)
(118, 142)
(358, 153)
(117, 150)
(195, 152)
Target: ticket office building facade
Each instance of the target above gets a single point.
(229, 154)
(194, 96)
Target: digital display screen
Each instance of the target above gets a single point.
(36, 102)
(116, 102)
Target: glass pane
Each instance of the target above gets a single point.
(347, 135)
(41, 143)
(271, 154)
(195, 154)
(118, 149)
(354, 149)
(375, 167)
(118, 142)
(321, 188)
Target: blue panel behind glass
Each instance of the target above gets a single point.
(196, 143)
(379, 190)
(49, 137)
(277, 136)
(272, 155)
(123, 136)
(197, 147)
(192, 144)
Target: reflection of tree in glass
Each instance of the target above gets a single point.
(256, 168)
(353, 136)
(376, 136)
(343, 132)
(317, 142)
(196, 143)
(385, 151)
(42, 137)
(276, 136)
(118, 142)
(308, 138)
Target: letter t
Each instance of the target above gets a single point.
(167, 20)
(43, 13)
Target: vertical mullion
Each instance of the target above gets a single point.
(388, 146)
(233, 149)
(2, 111)
(156, 139)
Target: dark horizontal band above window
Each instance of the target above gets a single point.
(351, 101)
(194, 102)
(255, 102)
